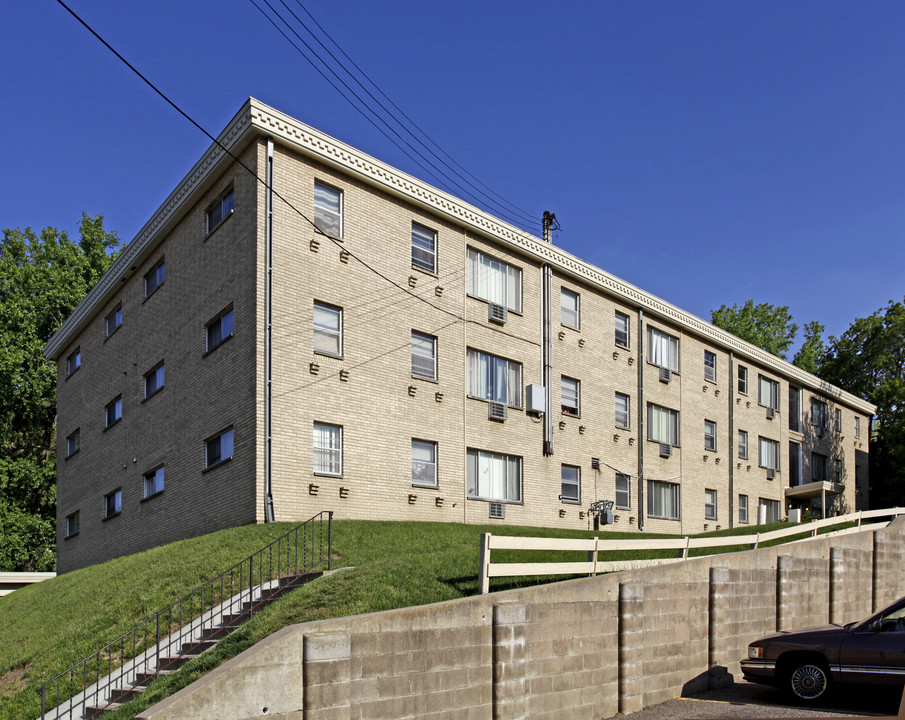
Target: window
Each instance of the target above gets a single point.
(710, 435)
(153, 381)
(328, 329)
(743, 508)
(818, 413)
(794, 464)
(114, 320)
(743, 444)
(623, 491)
(742, 380)
(622, 329)
(662, 349)
(838, 426)
(768, 392)
(494, 281)
(72, 443)
(424, 463)
(220, 329)
(72, 524)
(709, 366)
(818, 467)
(492, 476)
(571, 484)
(424, 356)
(328, 449)
(569, 390)
(114, 411)
(218, 449)
(662, 424)
(328, 210)
(74, 362)
(623, 406)
(154, 279)
(424, 248)
(494, 378)
(857, 427)
(710, 504)
(772, 509)
(768, 453)
(220, 210)
(569, 308)
(794, 408)
(154, 482)
(113, 504)
(662, 499)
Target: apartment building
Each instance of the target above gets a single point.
(301, 327)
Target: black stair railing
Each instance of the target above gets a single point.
(210, 611)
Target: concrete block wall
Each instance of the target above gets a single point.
(582, 648)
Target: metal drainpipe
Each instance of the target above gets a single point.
(641, 419)
(548, 360)
(732, 448)
(268, 344)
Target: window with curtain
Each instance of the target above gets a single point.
(424, 463)
(570, 392)
(424, 248)
(328, 329)
(768, 453)
(424, 356)
(818, 413)
(568, 308)
(493, 476)
(328, 449)
(710, 435)
(662, 424)
(328, 210)
(662, 349)
(570, 487)
(494, 378)
(494, 281)
(768, 392)
(772, 509)
(623, 404)
(622, 329)
(662, 499)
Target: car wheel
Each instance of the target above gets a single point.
(808, 681)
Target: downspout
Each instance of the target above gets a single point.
(268, 343)
(732, 438)
(641, 442)
(547, 312)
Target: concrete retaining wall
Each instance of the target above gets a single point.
(584, 648)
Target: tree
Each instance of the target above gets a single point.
(42, 279)
(812, 349)
(869, 361)
(770, 327)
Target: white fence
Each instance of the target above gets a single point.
(594, 546)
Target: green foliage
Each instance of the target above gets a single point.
(769, 327)
(869, 361)
(42, 279)
(812, 349)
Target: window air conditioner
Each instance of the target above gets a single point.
(665, 374)
(497, 511)
(771, 473)
(771, 413)
(665, 450)
(497, 411)
(497, 314)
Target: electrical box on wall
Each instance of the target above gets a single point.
(536, 399)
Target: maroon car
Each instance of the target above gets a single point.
(805, 663)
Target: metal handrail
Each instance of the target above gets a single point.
(207, 612)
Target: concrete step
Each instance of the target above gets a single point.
(196, 647)
(121, 695)
(94, 711)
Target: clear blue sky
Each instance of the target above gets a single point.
(709, 152)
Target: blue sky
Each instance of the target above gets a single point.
(708, 152)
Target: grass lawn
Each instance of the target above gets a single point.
(47, 627)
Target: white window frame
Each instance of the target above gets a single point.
(623, 335)
(623, 411)
(742, 444)
(328, 209)
(569, 309)
(72, 524)
(710, 504)
(74, 361)
(424, 356)
(710, 435)
(424, 248)
(767, 392)
(494, 281)
(666, 502)
(114, 320)
(570, 396)
(328, 336)
(155, 375)
(155, 277)
(623, 494)
(113, 412)
(570, 484)
(743, 509)
(662, 349)
(493, 476)
(484, 374)
(224, 445)
(221, 209)
(327, 447)
(114, 508)
(710, 366)
(72, 442)
(663, 415)
(742, 380)
(768, 453)
(774, 509)
(154, 482)
(424, 463)
(219, 330)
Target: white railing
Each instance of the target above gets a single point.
(593, 546)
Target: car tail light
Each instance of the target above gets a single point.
(755, 653)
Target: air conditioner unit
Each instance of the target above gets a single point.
(497, 411)
(665, 374)
(497, 511)
(771, 474)
(665, 450)
(497, 314)
(771, 413)
(819, 431)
